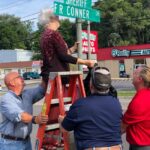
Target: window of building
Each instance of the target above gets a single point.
(139, 62)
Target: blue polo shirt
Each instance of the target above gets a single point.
(95, 120)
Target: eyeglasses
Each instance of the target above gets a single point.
(15, 78)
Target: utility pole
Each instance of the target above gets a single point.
(89, 47)
(79, 39)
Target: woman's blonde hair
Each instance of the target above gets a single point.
(46, 15)
(145, 75)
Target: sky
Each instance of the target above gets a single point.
(25, 9)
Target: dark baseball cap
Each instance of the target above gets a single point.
(101, 78)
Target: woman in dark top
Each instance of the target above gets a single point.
(55, 52)
(56, 57)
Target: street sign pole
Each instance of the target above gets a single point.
(89, 47)
(79, 39)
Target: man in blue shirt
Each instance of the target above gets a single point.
(95, 119)
(16, 111)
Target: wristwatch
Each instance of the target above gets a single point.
(33, 119)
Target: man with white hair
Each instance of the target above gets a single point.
(136, 120)
(95, 119)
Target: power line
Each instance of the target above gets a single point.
(24, 1)
(29, 20)
(30, 15)
(11, 3)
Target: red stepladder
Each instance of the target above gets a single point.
(58, 100)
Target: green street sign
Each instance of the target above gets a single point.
(79, 3)
(62, 9)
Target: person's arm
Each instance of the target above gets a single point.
(133, 115)
(89, 63)
(64, 56)
(69, 122)
(44, 85)
(40, 119)
(123, 127)
(37, 93)
(60, 120)
(61, 49)
(14, 113)
(10, 109)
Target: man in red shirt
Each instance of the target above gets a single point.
(136, 120)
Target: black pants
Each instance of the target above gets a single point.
(135, 147)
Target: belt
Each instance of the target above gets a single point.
(115, 147)
(8, 137)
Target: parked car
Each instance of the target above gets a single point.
(124, 75)
(31, 75)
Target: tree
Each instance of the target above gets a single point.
(128, 19)
(68, 32)
(35, 43)
(14, 33)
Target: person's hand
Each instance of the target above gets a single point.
(90, 63)
(26, 117)
(41, 119)
(60, 118)
(75, 46)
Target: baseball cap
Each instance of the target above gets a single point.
(101, 78)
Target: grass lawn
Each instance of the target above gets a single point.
(126, 93)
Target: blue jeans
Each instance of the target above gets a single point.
(15, 145)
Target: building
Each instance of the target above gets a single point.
(123, 60)
(15, 55)
(21, 67)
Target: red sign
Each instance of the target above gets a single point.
(93, 42)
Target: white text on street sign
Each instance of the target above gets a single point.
(76, 12)
(79, 3)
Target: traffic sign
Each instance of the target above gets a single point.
(62, 9)
(79, 3)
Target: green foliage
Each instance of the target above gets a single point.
(68, 32)
(14, 33)
(35, 43)
(123, 22)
